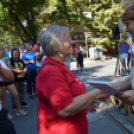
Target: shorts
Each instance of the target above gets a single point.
(5, 83)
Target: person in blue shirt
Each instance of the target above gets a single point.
(28, 58)
(80, 57)
(8, 50)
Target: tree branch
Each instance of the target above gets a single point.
(26, 15)
(20, 34)
(32, 14)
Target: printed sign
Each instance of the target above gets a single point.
(123, 47)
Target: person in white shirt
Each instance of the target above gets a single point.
(4, 84)
(6, 75)
(38, 51)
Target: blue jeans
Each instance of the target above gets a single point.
(31, 81)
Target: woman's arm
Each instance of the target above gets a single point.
(28, 62)
(82, 52)
(23, 72)
(6, 74)
(13, 69)
(123, 85)
(127, 97)
(40, 57)
(84, 101)
(17, 71)
(25, 69)
(80, 103)
(131, 53)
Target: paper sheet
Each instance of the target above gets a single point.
(104, 86)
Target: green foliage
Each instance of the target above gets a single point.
(124, 35)
(67, 10)
(105, 15)
(18, 20)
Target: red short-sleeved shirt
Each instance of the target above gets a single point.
(56, 86)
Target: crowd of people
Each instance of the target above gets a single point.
(25, 64)
(22, 63)
(63, 102)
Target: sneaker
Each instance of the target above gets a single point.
(24, 104)
(122, 72)
(128, 70)
(21, 112)
(14, 107)
(9, 116)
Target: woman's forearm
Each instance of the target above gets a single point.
(123, 85)
(131, 53)
(127, 97)
(13, 69)
(25, 69)
(80, 103)
(28, 62)
(7, 75)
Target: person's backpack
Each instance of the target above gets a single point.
(6, 126)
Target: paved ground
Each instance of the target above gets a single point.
(99, 123)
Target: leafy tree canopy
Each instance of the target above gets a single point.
(105, 15)
(67, 10)
(18, 19)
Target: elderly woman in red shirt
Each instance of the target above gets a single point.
(63, 103)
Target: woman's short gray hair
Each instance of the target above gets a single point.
(50, 40)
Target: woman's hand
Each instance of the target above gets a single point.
(6, 61)
(22, 74)
(127, 97)
(92, 108)
(103, 96)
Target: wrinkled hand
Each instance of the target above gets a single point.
(92, 108)
(126, 97)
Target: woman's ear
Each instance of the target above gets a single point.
(56, 45)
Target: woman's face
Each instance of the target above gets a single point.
(28, 47)
(15, 46)
(67, 45)
(21, 50)
(130, 27)
(15, 54)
